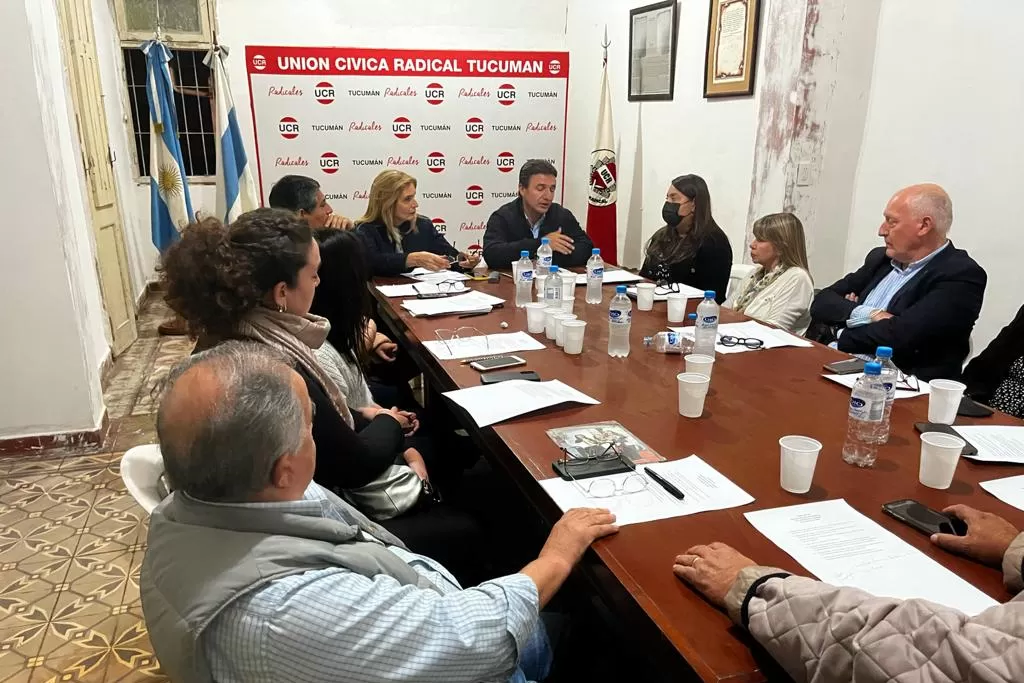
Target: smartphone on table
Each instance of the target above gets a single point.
(496, 363)
(925, 519)
(845, 367)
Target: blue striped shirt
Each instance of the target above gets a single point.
(335, 625)
(879, 298)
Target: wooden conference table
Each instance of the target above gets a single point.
(755, 398)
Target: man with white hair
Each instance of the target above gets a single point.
(255, 573)
(918, 294)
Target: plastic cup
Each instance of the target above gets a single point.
(700, 364)
(799, 455)
(568, 291)
(573, 331)
(939, 456)
(693, 389)
(676, 308)
(535, 316)
(644, 296)
(560, 320)
(549, 320)
(944, 400)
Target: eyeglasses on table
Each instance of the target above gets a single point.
(749, 342)
(451, 337)
(442, 287)
(582, 455)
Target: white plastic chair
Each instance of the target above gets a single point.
(141, 468)
(738, 273)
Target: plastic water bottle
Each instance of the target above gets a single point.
(620, 316)
(706, 333)
(595, 277)
(553, 287)
(544, 255)
(524, 279)
(867, 405)
(889, 377)
(669, 342)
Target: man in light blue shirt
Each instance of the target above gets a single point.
(254, 573)
(918, 294)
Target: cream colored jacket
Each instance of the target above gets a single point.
(785, 302)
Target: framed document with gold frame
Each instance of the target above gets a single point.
(731, 61)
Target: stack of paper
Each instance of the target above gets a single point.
(844, 548)
(463, 303)
(391, 291)
(704, 488)
(485, 345)
(901, 392)
(424, 275)
(661, 293)
(996, 443)
(491, 403)
(751, 329)
(1009, 490)
(611, 277)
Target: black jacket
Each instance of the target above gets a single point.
(708, 268)
(987, 370)
(508, 233)
(385, 261)
(933, 314)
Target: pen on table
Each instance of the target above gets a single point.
(664, 483)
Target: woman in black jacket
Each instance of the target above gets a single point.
(690, 249)
(996, 375)
(397, 238)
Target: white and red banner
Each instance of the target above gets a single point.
(601, 221)
(460, 122)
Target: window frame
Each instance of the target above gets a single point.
(203, 37)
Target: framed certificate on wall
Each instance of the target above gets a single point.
(652, 51)
(731, 60)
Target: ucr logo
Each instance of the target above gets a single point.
(329, 162)
(440, 226)
(435, 162)
(554, 66)
(401, 127)
(434, 93)
(507, 94)
(505, 162)
(474, 195)
(289, 128)
(324, 92)
(259, 62)
(475, 250)
(474, 127)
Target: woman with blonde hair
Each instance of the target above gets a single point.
(780, 290)
(397, 238)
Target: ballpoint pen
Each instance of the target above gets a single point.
(664, 484)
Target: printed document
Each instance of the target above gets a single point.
(901, 391)
(611, 277)
(1009, 490)
(392, 291)
(750, 329)
(485, 345)
(492, 403)
(463, 303)
(844, 548)
(996, 443)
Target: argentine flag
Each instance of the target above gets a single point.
(236, 190)
(170, 204)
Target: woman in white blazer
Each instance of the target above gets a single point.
(780, 290)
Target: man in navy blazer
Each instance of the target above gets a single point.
(919, 294)
(520, 224)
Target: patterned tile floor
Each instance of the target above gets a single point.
(72, 539)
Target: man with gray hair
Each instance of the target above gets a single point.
(918, 294)
(255, 573)
(302, 195)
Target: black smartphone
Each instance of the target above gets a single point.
(971, 408)
(946, 429)
(924, 519)
(495, 377)
(845, 367)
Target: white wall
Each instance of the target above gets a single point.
(712, 138)
(946, 106)
(53, 326)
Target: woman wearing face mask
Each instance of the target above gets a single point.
(690, 249)
(780, 290)
(397, 238)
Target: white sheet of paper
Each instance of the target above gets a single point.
(492, 403)
(611, 277)
(705, 489)
(849, 380)
(1009, 490)
(392, 291)
(748, 329)
(686, 290)
(996, 443)
(424, 275)
(463, 303)
(486, 345)
(844, 548)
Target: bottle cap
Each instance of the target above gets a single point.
(553, 269)
(545, 240)
(872, 368)
(884, 352)
(620, 289)
(691, 316)
(595, 251)
(648, 341)
(709, 294)
(524, 254)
